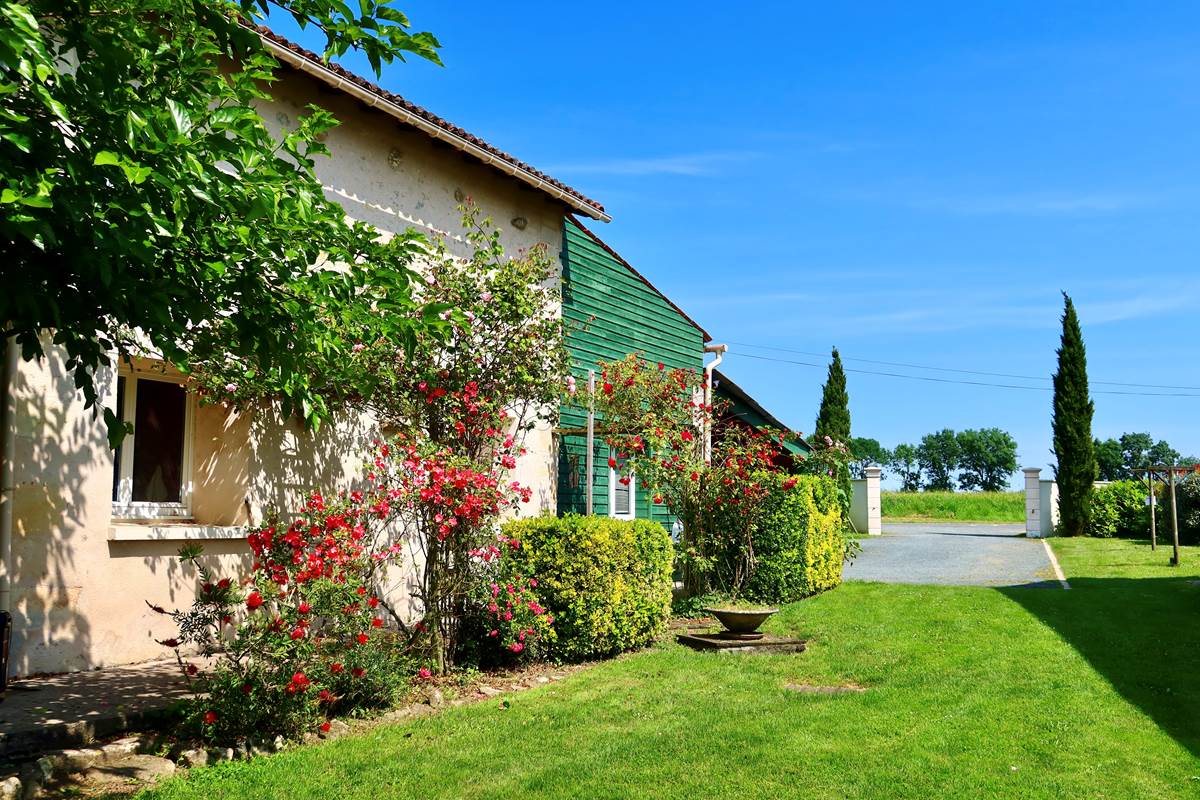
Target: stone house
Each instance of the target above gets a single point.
(94, 533)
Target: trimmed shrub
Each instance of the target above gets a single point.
(799, 544)
(606, 582)
(1119, 509)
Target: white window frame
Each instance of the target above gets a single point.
(124, 508)
(613, 477)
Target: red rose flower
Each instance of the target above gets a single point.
(210, 717)
(255, 600)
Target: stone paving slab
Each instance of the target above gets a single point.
(39, 714)
(954, 554)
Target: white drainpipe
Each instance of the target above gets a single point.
(8, 440)
(720, 350)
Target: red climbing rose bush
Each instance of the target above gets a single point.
(303, 636)
(707, 470)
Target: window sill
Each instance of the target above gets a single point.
(155, 532)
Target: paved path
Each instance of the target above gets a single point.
(80, 707)
(957, 554)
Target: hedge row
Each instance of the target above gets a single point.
(799, 542)
(606, 581)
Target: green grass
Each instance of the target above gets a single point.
(1122, 558)
(958, 506)
(972, 692)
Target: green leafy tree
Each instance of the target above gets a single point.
(1075, 470)
(146, 207)
(1110, 464)
(906, 462)
(833, 419)
(1162, 453)
(867, 453)
(938, 455)
(1135, 452)
(987, 458)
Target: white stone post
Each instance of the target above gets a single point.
(1033, 502)
(874, 502)
(865, 509)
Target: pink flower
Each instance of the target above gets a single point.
(486, 297)
(231, 387)
(359, 347)
(516, 647)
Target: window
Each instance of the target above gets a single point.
(622, 497)
(152, 467)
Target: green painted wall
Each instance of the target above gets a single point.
(611, 312)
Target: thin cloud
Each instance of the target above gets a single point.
(695, 164)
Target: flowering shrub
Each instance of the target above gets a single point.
(301, 637)
(516, 622)
(658, 427)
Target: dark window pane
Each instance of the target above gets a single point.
(158, 442)
(120, 412)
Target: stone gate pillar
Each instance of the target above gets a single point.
(1033, 502)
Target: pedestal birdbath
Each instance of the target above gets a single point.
(740, 633)
(741, 623)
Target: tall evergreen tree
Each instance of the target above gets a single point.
(1074, 447)
(833, 420)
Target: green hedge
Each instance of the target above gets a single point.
(606, 581)
(1119, 509)
(799, 543)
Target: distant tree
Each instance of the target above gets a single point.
(938, 455)
(833, 419)
(867, 453)
(1162, 453)
(1135, 452)
(986, 458)
(907, 465)
(1075, 470)
(1110, 465)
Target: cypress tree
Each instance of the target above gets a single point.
(833, 420)
(1073, 445)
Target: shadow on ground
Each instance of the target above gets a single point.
(1142, 634)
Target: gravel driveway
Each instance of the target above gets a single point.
(957, 554)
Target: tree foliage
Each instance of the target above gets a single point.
(867, 453)
(906, 463)
(1117, 458)
(986, 459)
(1075, 470)
(938, 455)
(146, 207)
(833, 419)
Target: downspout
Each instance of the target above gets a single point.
(8, 440)
(720, 350)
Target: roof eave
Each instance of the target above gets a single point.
(372, 100)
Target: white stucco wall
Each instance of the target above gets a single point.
(78, 595)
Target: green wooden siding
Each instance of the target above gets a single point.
(611, 312)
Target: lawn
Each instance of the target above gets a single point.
(958, 506)
(971, 692)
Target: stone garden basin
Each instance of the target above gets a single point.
(742, 622)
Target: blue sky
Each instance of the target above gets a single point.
(909, 182)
